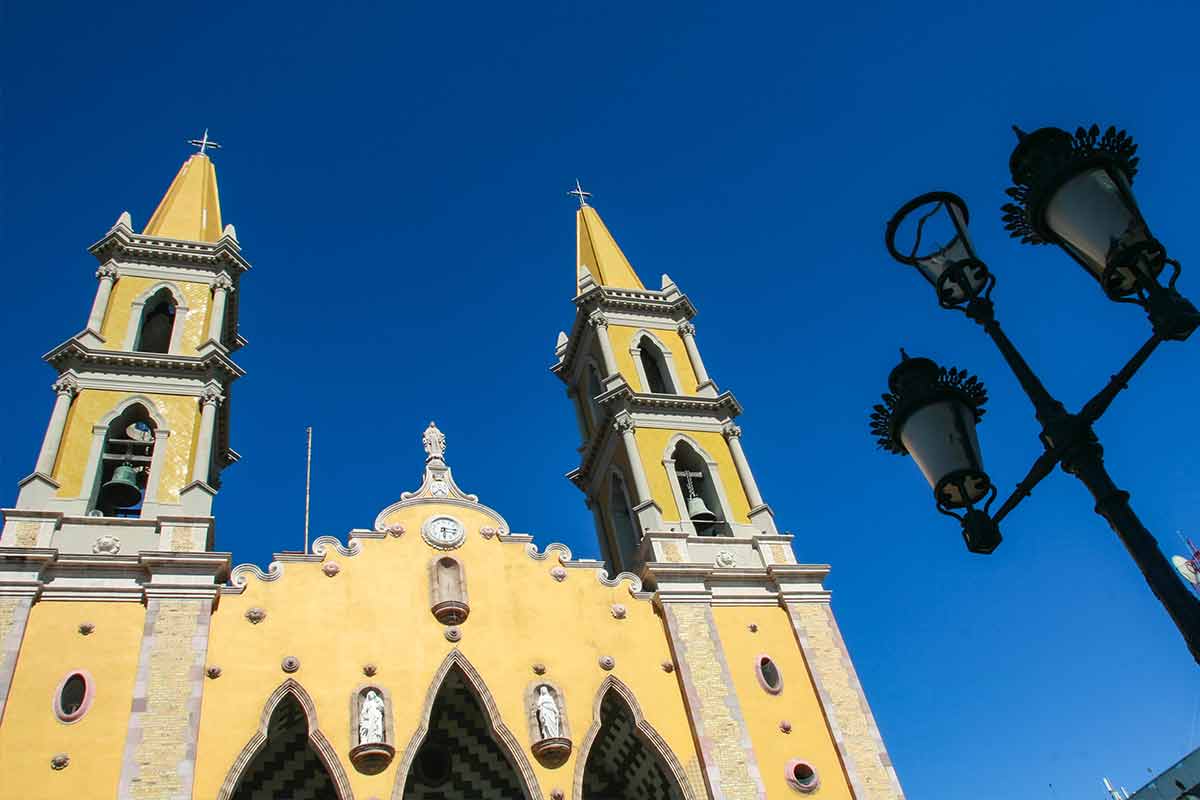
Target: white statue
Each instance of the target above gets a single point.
(370, 718)
(434, 441)
(547, 714)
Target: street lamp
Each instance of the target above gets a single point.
(1073, 191)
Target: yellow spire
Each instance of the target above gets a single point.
(190, 209)
(599, 254)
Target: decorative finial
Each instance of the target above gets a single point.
(903, 354)
(1020, 133)
(435, 443)
(204, 143)
(580, 193)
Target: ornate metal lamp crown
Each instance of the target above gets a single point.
(914, 384)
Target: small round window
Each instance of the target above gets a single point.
(802, 777)
(73, 696)
(768, 674)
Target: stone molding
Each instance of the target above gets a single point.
(75, 354)
(329, 757)
(163, 252)
(500, 733)
(48, 574)
(645, 731)
(14, 616)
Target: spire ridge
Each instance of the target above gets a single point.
(191, 207)
(599, 259)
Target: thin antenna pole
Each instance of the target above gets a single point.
(307, 486)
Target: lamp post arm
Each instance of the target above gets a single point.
(1047, 409)
(1094, 408)
(1042, 467)
(1086, 462)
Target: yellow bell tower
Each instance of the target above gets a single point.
(139, 431)
(660, 449)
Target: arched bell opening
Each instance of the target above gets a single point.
(624, 758)
(125, 461)
(157, 324)
(625, 527)
(654, 368)
(462, 753)
(698, 491)
(288, 757)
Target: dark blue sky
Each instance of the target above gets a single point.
(397, 175)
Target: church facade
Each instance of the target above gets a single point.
(698, 659)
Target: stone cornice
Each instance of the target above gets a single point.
(622, 398)
(668, 305)
(48, 574)
(774, 585)
(120, 242)
(73, 354)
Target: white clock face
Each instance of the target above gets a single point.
(445, 532)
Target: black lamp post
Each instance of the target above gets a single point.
(1073, 191)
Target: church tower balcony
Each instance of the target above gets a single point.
(139, 428)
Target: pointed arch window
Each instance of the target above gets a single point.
(157, 323)
(125, 462)
(701, 502)
(620, 764)
(625, 527)
(654, 367)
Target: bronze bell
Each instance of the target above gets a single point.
(122, 491)
(698, 511)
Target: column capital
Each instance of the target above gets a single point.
(731, 431)
(108, 270)
(686, 328)
(223, 281)
(211, 396)
(598, 319)
(623, 423)
(66, 384)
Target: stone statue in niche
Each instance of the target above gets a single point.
(370, 719)
(547, 714)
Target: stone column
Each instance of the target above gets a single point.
(599, 321)
(733, 435)
(108, 276)
(704, 384)
(222, 288)
(209, 400)
(625, 426)
(65, 388)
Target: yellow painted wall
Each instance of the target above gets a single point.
(377, 610)
(92, 405)
(32, 734)
(810, 739)
(120, 307)
(652, 444)
(622, 337)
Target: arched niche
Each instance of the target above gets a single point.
(289, 742)
(371, 754)
(622, 757)
(448, 590)
(99, 469)
(549, 728)
(460, 715)
(655, 364)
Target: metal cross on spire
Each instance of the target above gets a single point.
(580, 193)
(204, 143)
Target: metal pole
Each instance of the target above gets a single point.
(1086, 462)
(307, 487)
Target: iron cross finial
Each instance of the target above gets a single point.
(204, 143)
(580, 193)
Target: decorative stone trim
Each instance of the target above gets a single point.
(243, 572)
(539, 669)
(559, 574)
(607, 662)
(645, 732)
(256, 615)
(369, 670)
(60, 761)
(322, 545)
(213, 672)
(289, 664)
(785, 726)
(500, 733)
(802, 776)
(108, 545)
(618, 611)
(87, 628)
(320, 744)
(331, 569)
(453, 634)
(668, 667)
(725, 559)
(89, 692)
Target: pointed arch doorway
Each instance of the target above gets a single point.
(463, 751)
(288, 758)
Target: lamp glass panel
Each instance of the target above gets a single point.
(1095, 217)
(941, 439)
